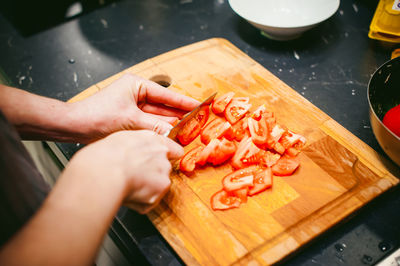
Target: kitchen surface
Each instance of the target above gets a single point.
(330, 65)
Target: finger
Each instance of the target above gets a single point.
(153, 92)
(175, 151)
(152, 122)
(161, 109)
(168, 119)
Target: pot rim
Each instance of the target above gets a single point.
(369, 100)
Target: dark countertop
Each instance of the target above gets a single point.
(330, 65)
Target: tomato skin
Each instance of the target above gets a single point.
(223, 200)
(262, 181)
(392, 120)
(188, 161)
(214, 129)
(239, 179)
(219, 104)
(192, 128)
(237, 109)
(285, 166)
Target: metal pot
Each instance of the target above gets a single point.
(384, 94)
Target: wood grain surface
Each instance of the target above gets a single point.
(338, 173)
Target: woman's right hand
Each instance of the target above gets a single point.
(140, 159)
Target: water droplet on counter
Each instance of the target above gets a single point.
(71, 61)
(384, 246)
(78, 144)
(340, 247)
(366, 259)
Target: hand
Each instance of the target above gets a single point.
(130, 103)
(139, 158)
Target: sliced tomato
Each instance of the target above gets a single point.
(237, 109)
(219, 104)
(258, 131)
(241, 194)
(274, 136)
(214, 129)
(285, 166)
(257, 114)
(245, 150)
(206, 152)
(193, 127)
(239, 179)
(262, 181)
(237, 131)
(269, 158)
(290, 139)
(223, 200)
(188, 161)
(223, 152)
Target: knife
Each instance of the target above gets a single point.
(174, 131)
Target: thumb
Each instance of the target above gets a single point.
(148, 121)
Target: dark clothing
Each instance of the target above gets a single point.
(22, 187)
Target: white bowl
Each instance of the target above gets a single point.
(284, 19)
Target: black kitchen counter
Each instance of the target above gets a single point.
(329, 65)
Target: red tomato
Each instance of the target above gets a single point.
(258, 112)
(219, 104)
(290, 139)
(222, 200)
(239, 179)
(217, 152)
(241, 194)
(188, 161)
(205, 153)
(285, 166)
(262, 181)
(193, 127)
(237, 109)
(245, 150)
(237, 131)
(258, 131)
(223, 152)
(392, 120)
(215, 129)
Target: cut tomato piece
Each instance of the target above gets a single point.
(192, 128)
(237, 131)
(245, 150)
(285, 166)
(237, 109)
(290, 139)
(223, 200)
(219, 104)
(206, 152)
(257, 114)
(269, 158)
(241, 194)
(258, 131)
(239, 179)
(215, 129)
(188, 161)
(262, 181)
(223, 152)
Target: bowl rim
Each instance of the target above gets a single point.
(369, 100)
(316, 21)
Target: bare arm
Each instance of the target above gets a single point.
(128, 167)
(129, 103)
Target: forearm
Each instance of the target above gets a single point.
(72, 222)
(38, 117)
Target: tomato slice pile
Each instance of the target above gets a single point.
(253, 143)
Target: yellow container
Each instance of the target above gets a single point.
(385, 24)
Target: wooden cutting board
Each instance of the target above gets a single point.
(338, 173)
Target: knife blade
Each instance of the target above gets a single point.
(174, 131)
